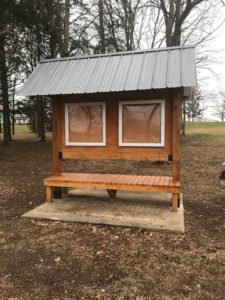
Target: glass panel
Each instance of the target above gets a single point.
(85, 123)
(141, 123)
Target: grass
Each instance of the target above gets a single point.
(211, 130)
(22, 129)
(44, 260)
(217, 129)
(193, 125)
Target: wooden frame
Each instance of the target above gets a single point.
(113, 151)
(170, 151)
(67, 142)
(162, 124)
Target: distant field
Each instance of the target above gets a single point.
(216, 129)
(20, 129)
(190, 125)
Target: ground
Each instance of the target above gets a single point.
(51, 260)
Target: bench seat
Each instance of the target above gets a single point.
(112, 183)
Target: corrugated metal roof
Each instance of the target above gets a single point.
(113, 72)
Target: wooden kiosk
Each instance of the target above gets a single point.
(116, 106)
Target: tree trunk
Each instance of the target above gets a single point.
(5, 96)
(42, 119)
(60, 32)
(13, 106)
(66, 28)
(38, 128)
(176, 38)
(127, 25)
(183, 124)
(169, 20)
(0, 123)
(101, 26)
(113, 26)
(36, 123)
(13, 119)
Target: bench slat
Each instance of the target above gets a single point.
(114, 181)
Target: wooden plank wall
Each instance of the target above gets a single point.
(112, 150)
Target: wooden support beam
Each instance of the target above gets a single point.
(174, 202)
(176, 171)
(56, 161)
(49, 193)
(112, 194)
(177, 97)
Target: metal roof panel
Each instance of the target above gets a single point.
(97, 76)
(118, 83)
(174, 69)
(133, 75)
(124, 71)
(147, 71)
(109, 74)
(160, 70)
(188, 64)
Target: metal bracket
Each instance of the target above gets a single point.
(60, 155)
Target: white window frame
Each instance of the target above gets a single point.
(67, 141)
(162, 123)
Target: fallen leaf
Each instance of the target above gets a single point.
(57, 259)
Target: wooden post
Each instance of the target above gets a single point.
(49, 192)
(56, 161)
(112, 195)
(174, 202)
(176, 141)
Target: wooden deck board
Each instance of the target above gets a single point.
(114, 181)
(140, 180)
(156, 181)
(145, 180)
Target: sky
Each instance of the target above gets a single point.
(212, 80)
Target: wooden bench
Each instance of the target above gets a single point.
(114, 182)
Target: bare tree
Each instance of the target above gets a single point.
(219, 108)
(175, 13)
(193, 108)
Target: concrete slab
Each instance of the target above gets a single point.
(132, 209)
